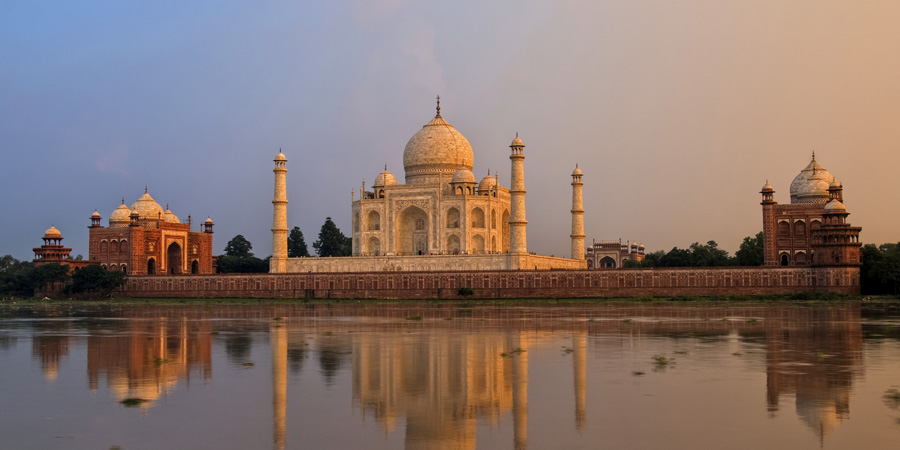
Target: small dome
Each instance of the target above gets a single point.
(52, 233)
(577, 171)
(767, 187)
(835, 185)
(385, 179)
(280, 156)
(95, 215)
(641, 246)
(147, 208)
(835, 205)
(463, 176)
(517, 142)
(120, 217)
(169, 216)
(208, 221)
(487, 183)
(811, 184)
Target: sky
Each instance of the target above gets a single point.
(677, 112)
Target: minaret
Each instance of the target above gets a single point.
(517, 222)
(577, 216)
(278, 263)
(770, 253)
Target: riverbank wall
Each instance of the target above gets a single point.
(657, 282)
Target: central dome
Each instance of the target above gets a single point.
(147, 207)
(811, 184)
(436, 150)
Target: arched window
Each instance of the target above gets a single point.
(784, 259)
(373, 221)
(453, 218)
(104, 246)
(124, 268)
(151, 266)
(356, 221)
(800, 258)
(123, 246)
(114, 247)
(799, 228)
(478, 218)
(195, 267)
(784, 229)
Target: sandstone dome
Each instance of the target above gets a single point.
(487, 183)
(385, 179)
(835, 205)
(121, 217)
(147, 208)
(436, 149)
(463, 176)
(169, 216)
(52, 233)
(811, 184)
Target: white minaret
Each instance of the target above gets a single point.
(517, 240)
(278, 263)
(577, 216)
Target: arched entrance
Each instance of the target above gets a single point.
(195, 267)
(374, 246)
(412, 232)
(151, 266)
(608, 263)
(504, 223)
(784, 259)
(478, 244)
(453, 244)
(173, 258)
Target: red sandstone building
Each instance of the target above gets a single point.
(812, 230)
(612, 254)
(147, 240)
(52, 251)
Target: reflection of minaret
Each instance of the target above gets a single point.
(579, 347)
(278, 339)
(520, 396)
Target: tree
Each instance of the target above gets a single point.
(16, 277)
(331, 241)
(880, 272)
(708, 255)
(296, 245)
(95, 281)
(751, 251)
(239, 247)
(46, 274)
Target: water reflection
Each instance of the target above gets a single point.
(449, 370)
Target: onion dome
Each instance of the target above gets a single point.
(147, 208)
(121, 216)
(463, 176)
(280, 156)
(208, 221)
(767, 188)
(52, 233)
(95, 215)
(641, 246)
(811, 184)
(487, 183)
(835, 205)
(436, 149)
(517, 142)
(835, 185)
(169, 216)
(576, 172)
(385, 179)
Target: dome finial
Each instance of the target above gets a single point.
(814, 155)
(145, 188)
(438, 107)
(385, 167)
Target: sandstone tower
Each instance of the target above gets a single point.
(517, 222)
(278, 264)
(577, 216)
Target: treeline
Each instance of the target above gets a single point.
(22, 279)
(238, 257)
(880, 272)
(750, 253)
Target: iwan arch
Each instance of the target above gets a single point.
(440, 219)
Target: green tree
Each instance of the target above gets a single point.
(16, 278)
(880, 272)
(46, 274)
(331, 241)
(239, 247)
(95, 281)
(296, 245)
(235, 264)
(751, 251)
(708, 255)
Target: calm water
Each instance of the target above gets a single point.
(432, 376)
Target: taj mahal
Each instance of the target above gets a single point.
(440, 219)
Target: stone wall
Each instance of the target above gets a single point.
(430, 263)
(503, 284)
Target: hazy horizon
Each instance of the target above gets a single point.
(677, 112)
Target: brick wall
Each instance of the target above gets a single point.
(504, 284)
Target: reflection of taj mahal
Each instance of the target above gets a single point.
(441, 219)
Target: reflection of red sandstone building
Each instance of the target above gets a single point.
(146, 239)
(53, 251)
(612, 254)
(812, 229)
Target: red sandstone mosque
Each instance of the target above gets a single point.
(812, 230)
(141, 240)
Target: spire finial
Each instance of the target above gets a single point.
(489, 172)
(438, 107)
(145, 188)
(385, 167)
(814, 155)
(123, 199)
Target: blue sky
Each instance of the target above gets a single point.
(677, 112)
